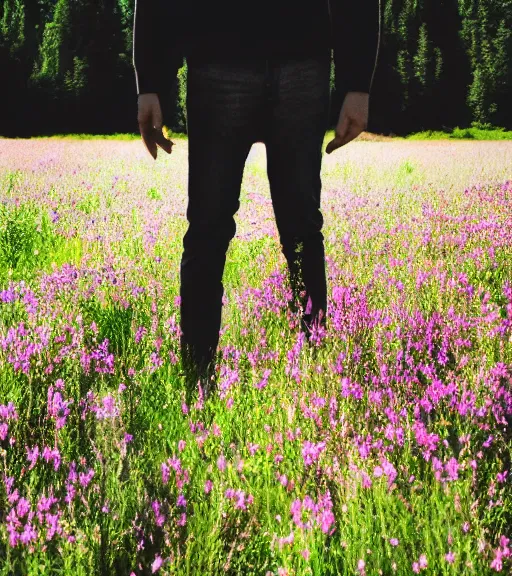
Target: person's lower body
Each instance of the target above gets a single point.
(285, 105)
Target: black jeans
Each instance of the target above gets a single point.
(285, 105)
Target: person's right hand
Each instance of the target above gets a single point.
(149, 117)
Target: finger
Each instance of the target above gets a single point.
(164, 143)
(341, 131)
(148, 137)
(333, 144)
(352, 133)
(339, 138)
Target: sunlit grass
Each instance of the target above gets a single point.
(382, 446)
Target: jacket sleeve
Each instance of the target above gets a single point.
(356, 30)
(156, 51)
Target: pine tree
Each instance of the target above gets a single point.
(422, 59)
(54, 55)
(486, 32)
(12, 25)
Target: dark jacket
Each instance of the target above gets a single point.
(166, 31)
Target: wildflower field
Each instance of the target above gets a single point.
(380, 446)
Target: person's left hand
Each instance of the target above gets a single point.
(352, 121)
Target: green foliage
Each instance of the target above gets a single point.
(26, 236)
(438, 56)
(154, 194)
(182, 95)
(17, 235)
(12, 25)
(422, 57)
(126, 12)
(477, 131)
(75, 80)
(26, 239)
(332, 77)
(459, 133)
(55, 36)
(486, 32)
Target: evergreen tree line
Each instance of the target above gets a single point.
(66, 66)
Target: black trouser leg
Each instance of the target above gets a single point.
(298, 124)
(221, 109)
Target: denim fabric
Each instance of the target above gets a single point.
(230, 106)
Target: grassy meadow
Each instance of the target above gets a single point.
(381, 446)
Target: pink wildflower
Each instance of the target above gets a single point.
(157, 564)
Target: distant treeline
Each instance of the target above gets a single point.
(66, 66)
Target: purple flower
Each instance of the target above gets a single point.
(7, 296)
(141, 332)
(23, 507)
(286, 540)
(53, 525)
(86, 478)
(29, 534)
(311, 452)
(183, 520)
(240, 500)
(13, 497)
(175, 464)
(57, 407)
(389, 470)
(155, 362)
(165, 472)
(157, 564)
(51, 455)
(488, 442)
(451, 468)
(264, 380)
(159, 517)
(108, 408)
(501, 477)
(221, 463)
(325, 519)
(45, 504)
